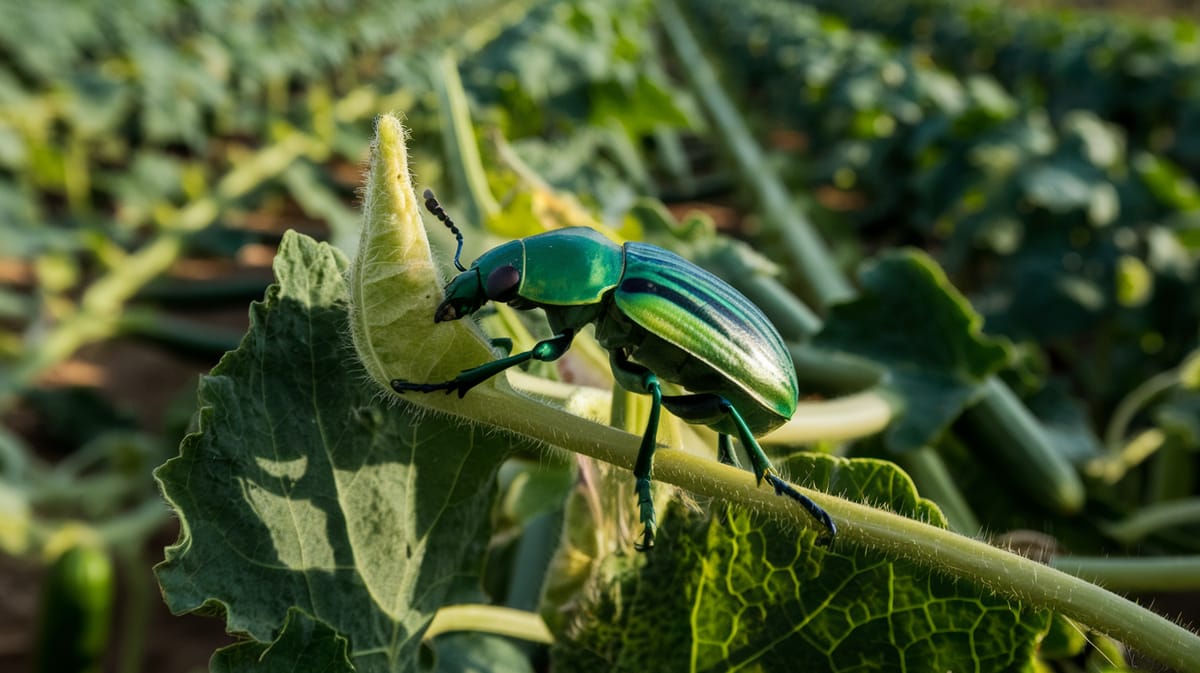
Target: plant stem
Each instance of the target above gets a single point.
(462, 148)
(935, 482)
(822, 282)
(834, 373)
(14, 457)
(133, 527)
(1152, 518)
(185, 335)
(204, 293)
(1171, 473)
(792, 317)
(489, 619)
(136, 606)
(1131, 404)
(1167, 573)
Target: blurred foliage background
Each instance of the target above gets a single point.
(152, 153)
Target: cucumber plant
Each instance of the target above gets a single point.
(347, 488)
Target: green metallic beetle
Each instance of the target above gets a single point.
(660, 317)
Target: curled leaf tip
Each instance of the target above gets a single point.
(394, 284)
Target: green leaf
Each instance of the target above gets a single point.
(304, 489)
(303, 644)
(1057, 186)
(1066, 421)
(736, 591)
(910, 320)
(640, 107)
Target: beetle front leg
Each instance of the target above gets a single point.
(544, 351)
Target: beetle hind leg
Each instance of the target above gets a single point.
(709, 408)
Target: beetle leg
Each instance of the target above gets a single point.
(645, 462)
(764, 470)
(706, 408)
(725, 452)
(639, 379)
(544, 351)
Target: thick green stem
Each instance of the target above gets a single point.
(135, 606)
(539, 538)
(1171, 473)
(134, 527)
(204, 293)
(185, 335)
(833, 373)
(842, 418)
(792, 317)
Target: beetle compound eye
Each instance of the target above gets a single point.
(502, 283)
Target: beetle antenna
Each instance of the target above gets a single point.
(432, 205)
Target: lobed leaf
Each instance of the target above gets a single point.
(735, 591)
(305, 490)
(912, 321)
(304, 643)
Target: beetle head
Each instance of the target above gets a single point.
(495, 276)
(471, 289)
(464, 296)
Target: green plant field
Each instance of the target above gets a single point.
(975, 227)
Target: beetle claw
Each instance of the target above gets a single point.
(401, 387)
(647, 542)
(646, 515)
(784, 488)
